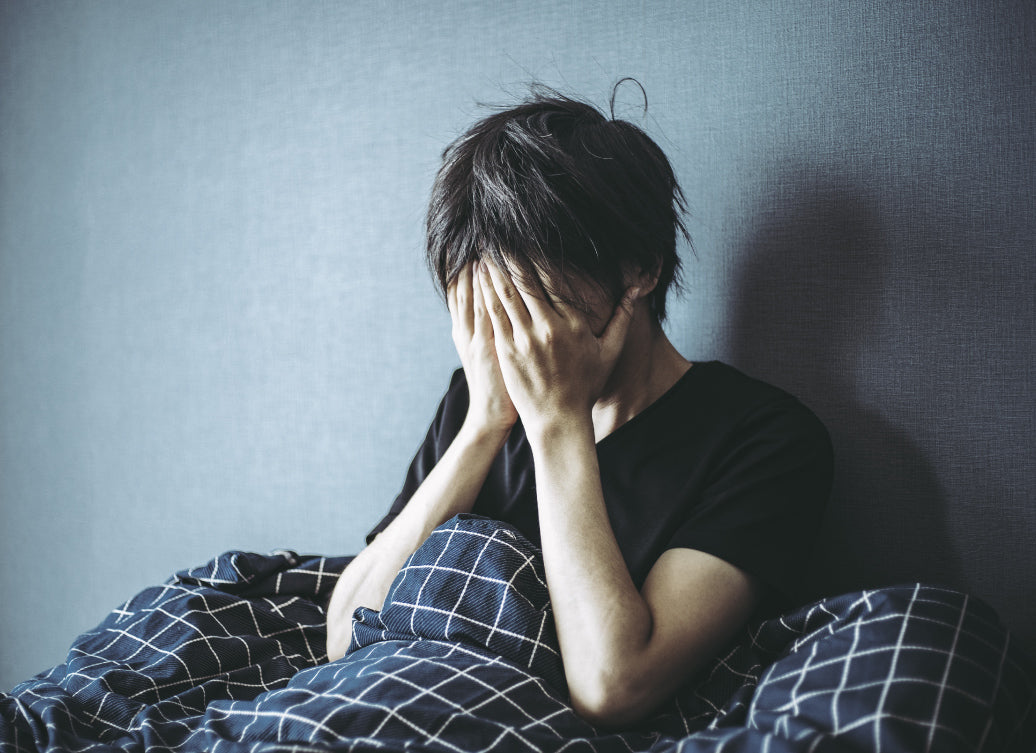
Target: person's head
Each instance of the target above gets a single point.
(559, 196)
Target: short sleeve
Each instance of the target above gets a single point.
(445, 426)
(764, 498)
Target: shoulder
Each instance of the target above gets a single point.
(456, 392)
(720, 396)
(450, 415)
(457, 381)
(752, 434)
(733, 387)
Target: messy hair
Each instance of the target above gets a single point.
(552, 189)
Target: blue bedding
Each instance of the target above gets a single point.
(463, 657)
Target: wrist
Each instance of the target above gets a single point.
(480, 431)
(560, 429)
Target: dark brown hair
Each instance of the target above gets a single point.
(551, 189)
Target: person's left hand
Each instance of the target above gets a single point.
(553, 364)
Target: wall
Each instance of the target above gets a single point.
(216, 330)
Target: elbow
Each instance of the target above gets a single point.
(599, 714)
(610, 702)
(614, 691)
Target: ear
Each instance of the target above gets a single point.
(645, 279)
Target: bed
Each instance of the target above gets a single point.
(463, 656)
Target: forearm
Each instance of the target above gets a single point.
(449, 489)
(624, 650)
(603, 622)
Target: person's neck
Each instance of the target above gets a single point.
(647, 367)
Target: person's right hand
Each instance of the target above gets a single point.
(490, 407)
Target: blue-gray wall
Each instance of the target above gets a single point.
(216, 330)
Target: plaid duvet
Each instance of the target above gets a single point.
(464, 657)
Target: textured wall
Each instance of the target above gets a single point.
(216, 330)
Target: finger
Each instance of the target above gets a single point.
(494, 307)
(451, 295)
(465, 315)
(483, 324)
(451, 299)
(614, 335)
(508, 295)
(539, 308)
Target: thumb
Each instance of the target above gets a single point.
(614, 334)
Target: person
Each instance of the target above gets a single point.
(673, 501)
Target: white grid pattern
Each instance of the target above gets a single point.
(227, 657)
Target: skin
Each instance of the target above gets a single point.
(573, 376)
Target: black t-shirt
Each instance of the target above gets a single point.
(721, 463)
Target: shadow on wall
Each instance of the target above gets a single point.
(809, 297)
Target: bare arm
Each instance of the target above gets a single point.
(624, 650)
(453, 484)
